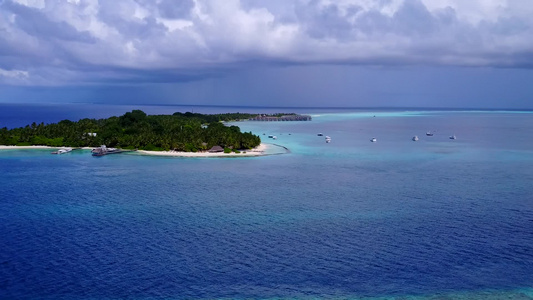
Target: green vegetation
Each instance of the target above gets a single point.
(217, 117)
(279, 115)
(189, 132)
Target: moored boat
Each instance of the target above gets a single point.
(62, 150)
(453, 137)
(373, 140)
(429, 133)
(103, 150)
(415, 138)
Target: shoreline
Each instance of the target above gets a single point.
(4, 147)
(261, 150)
(257, 151)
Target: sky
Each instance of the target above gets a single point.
(316, 53)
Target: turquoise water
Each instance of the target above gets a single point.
(395, 219)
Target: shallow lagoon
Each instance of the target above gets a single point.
(436, 219)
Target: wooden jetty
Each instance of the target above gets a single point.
(270, 118)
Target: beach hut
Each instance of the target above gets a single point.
(215, 149)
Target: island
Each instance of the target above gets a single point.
(179, 132)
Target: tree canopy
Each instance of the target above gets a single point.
(136, 130)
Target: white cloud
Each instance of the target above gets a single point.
(99, 40)
(32, 3)
(14, 76)
(17, 74)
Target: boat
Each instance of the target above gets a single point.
(373, 140)
(328, 139)
(453, 137)
(103, 150)
(274, 137)
(415, 138)
(270, 136)
(429, 133)
(320, 134)
(62, 150)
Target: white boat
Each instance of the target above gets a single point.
(328, 139)
(103, 150)
(429, 133)
(373, 140)
(415, 138)
(62, 150)
(453, 137)
(274, 137)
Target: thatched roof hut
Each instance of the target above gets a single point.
(215, 149)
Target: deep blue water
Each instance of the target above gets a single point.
(350, 219)
(19, 115)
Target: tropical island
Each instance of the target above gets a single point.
(183, 132)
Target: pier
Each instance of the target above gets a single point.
(270, 118)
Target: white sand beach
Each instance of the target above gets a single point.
(261, 150)
(258, 151)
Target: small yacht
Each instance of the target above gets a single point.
(274, 137)
(99, 151)
(415, 138)
(62, 150)
(429, 133)
(320, 134)
(270, 136)
(328, 139)
(453, 137)
(103, 150)
(373, 140)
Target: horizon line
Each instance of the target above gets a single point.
(284, 107)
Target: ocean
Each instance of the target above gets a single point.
(351, 219)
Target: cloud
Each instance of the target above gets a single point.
(87, 41)
(17, 74)
(13, 76)
(175, 9)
